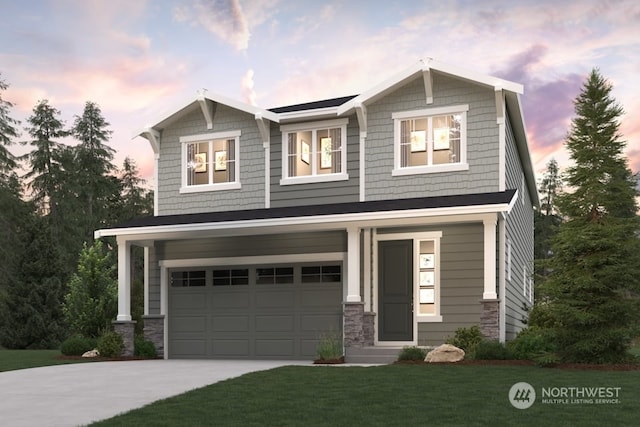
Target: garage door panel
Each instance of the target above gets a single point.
(320, 297)
(319, 323)
(309, 348)
(275, 299)
(230, 300)
(187, 299)
(230, 323)
(189, 348)
(190, 324)
(274, 347)
(274, 323)
(230, 347)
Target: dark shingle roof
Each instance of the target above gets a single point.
(478, 199)
(327, 103)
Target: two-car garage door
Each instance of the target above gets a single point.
(254, 312)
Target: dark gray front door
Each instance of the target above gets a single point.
(395, 290)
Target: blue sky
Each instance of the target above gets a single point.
(140, 59)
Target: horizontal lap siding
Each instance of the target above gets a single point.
(251, 157)
(316, 193)
(482, 142)
(519, 230)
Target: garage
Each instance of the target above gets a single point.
(253, 312)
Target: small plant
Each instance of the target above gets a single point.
(110, 344)
(467, 339)
(530, 343)
(491, 350)
(412, 353)
(77, 345)
(144, 348)
(329, 346)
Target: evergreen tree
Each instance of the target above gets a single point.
(44, 161)
(93, 165)
(547, 218)
(92, 301)
(8, 131)
(595, 253)
(32, 313)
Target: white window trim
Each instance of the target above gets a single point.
(398, 117)
(210, 137)
(313, 127)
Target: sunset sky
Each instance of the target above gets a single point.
(139, 60)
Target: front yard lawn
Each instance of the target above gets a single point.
(22, 359)
(393, 395)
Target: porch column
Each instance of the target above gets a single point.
(124, 280)
(353, 264)
(490, 259)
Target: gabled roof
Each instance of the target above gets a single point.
(319, 214)
(326, 103)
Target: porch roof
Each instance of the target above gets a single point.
(337, 212)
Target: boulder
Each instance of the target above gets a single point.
(91, 353)
(445, 353)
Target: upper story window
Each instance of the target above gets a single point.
(430, 140)
(210, 162)
(314, 152)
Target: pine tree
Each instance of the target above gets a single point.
(547, 218)
(93, 166)
(44, 161)
(595, 253)
(8, 131)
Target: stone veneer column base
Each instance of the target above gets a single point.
(353, 320)
(490, 318)
(368, 328)
(154, 331)
(126, 329)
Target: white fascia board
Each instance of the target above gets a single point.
(248, 108)
(475, 77)
(308, 114)
(324, 220)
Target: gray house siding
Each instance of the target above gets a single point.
(251, 158)
(154, 282)
(461, 279)
(519, 231)
(482, 142)
(316, 193)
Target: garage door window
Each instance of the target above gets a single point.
(274, 275)
(230, 277)
(322, 274)
(188, 278)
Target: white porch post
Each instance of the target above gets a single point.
(124, 280)
(353, 264)
(490, 259)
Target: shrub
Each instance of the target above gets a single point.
(531, 343)
(491, 350)
(110, 344)
(144, 348)
(329, 346)
(77, 345)
(412, 353)
(466, 339)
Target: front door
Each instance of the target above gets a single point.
(395, 290)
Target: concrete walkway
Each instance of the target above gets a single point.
(78, 394)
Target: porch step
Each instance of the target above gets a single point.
(372, 354)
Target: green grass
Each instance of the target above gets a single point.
(390, 395)
(11, 360)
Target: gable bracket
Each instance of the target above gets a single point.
(206, 110)
(500, 105)
(263, 127)
(153, 136)
(428, 84)
(361, 113)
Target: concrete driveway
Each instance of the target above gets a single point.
(78, 394)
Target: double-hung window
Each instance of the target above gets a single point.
(210, 162)
(430, 140)
(314, 152)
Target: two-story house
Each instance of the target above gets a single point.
(391, 218)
